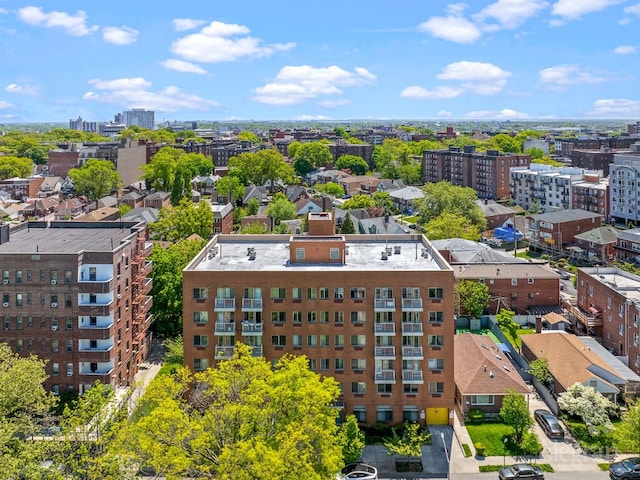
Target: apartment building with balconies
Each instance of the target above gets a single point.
(592, 194)
(557, 230)
(375, 312)
(77, 295)
(624, 180)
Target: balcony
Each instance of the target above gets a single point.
(412, 305)
(146, 250)
(412, 328)
(225, 328)
(385, 376)
(384, 305)
(388, 353)
(385, 328)
(225, 304)
(256, 350)
(95, 355)
(147, 285)
(224, 352)
(95, 309)
(96, 368)
(412, 376)
(97, 324)
(251, 304)
(147, 266)
(412, 353)
(251, 328)
(96, 287)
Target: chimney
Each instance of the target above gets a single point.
(538, 324)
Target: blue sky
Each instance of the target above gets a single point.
(277, 60)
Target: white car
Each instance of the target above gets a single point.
(360, 471)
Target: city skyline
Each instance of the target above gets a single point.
(488, 60)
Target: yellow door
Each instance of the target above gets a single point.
(438, 416)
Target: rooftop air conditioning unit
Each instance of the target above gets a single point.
(54, 305)
(5, 304)
(53, 282)
(54, 327)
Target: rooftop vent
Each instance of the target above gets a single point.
(384, 255)
(396, 250)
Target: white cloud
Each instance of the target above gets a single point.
(511, 13)
(575, 9)
(615, 108)
(136, 93)
(561, 76)
(625, 50)
(119, 35)
(444, 113)
(21, 89)
(75, 25)
(633, 9)
(416, 91)
(224, 42)
(504, 114)
(333, 103)
(181, 24)
(4, 11)
(312, 117)
(4, 104)
(454, 27)
(296, 84)
(182, 66)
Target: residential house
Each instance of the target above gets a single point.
(404, 198)
(461, 251)
(597, 244)
(147, 215)
(22, 188)
(557, 230)
(205, 184)
(483, 374)
(69, 208)
(627, 248)
(222, 218)
(259, 193)
(101, 214)
(50, 186)
(496, 214)
(158, 200)
(359, 184)
(134, 199)
(307, 205)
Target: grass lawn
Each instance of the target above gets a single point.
(528, 254)
(517, 342)
(492, 436)
(545, 467)
(410, 219)
(600, 443)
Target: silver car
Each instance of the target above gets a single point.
(360, 471)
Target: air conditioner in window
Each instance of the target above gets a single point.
(54, 327)
(69, 374)
(5, 281)
(53, 282)
(5, 304)
(119, 296)
(54, 305)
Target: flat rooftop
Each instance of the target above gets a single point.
(230, 253)
(65, 240)
(623, 282)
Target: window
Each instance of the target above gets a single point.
(18, 299)
(339, 340)
(55, 346)
(55, 368)
(385, 388)
(28, 275)
(384, 414)
(29, 298)
(530, 280)
(67, 276)
(339, 317)
(54, 277)
(358, 387)
(312, 317)
(278, 340)
(358, 293)
(339, 363)
(68, 323)
(338, 293)
(200, 340)
(200, 317)
(358, 364)
(323, 293)
(312, 364)
(297, 317)
(514, 282)
(54, 322)
(5, 276)
(324, 340)
(358, 317)
(410, 292)
(312, 293)
(410, 388)
(360, 413)
(42, 275)
(19, 323)
(324, 364)
(435, 340)
(481, 399)
(68, 299)
(435, 293)
(436, 387)
(334, 253)
(410, 413)
(299, 253)
(384, 293)
(436, 364)
(69, 346)
(297, 340)
(436, 317)
(54, 299)
(19, 345)
(324, 317)
(312, 340)
(358, 340)
(5, 299)
(18, 276)
(200, 364)
(296, 293)
(277, 293)
(200, 293)
(278, 317)
(69, 369)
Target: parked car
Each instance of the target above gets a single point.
(627, 469)
(521, 470)
(549, 423)
(564, 275)
(360, 471)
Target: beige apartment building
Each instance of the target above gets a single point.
(375, 312)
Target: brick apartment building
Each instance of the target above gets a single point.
(557, 230)
(77, 295)
(22, 188)
(591, 194)
(373, 311)
(593, 159)
(486, 172)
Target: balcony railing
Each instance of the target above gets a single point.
(385, 376)
(225, 328)
(225, 304)
(385, 352)
(99, 370)
(251, 304)
(98, 286)
(251, 328)
(224, 352)
(412, 376)
(413, 353)
(412, 328)
(384, 305)
(412, 304)
(96, 325)
(385, 328)
(147, 266)
(256, 350)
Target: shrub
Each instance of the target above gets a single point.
(467, 450)
(476, 415)
(480, 448)
(530, 444)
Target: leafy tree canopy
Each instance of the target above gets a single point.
(230, 187)
(591, 406)
(474, 297)
(627, 432)
(11, 167)
(260, 167)
(409, 442)
(281, 209)
(515, 413)
(443, 197)
(316, 153)
(356, 165)
(358, 201)
(248, 137)
(450, 225)
(182, 220)
(330, 188)
(95, 179)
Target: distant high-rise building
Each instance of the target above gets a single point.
(82, 125)
(139, 117)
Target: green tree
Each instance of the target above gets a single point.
(474, 297)
(593, 408)
(254, 228)
(505, 143)
(248, 137)
(230, 187)
(358, 201)
(253, 205)
(539, 368)
(515, 413)
(95, 179)
(160, 171)
(384, 201)
(450, 225)
(347, 227)
(281, 209)
(292, 149)
(11, 167)
(302, 166)
(352, 439)
(340, 132)
(167, 284)
(330, 188)
(124, 208)
(246, 419)
(181, 187)
(535, 153)
(178, 222)
(627, 432)
(356, 165)
(443, 197)
(409, 442)
(389, 156)
(174, 350)
(506, 322)
(316, 153)
(264, 166)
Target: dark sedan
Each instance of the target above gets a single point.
(549, 423)
(627, 469)
(521, 470)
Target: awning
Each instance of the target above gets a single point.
(595, 309)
